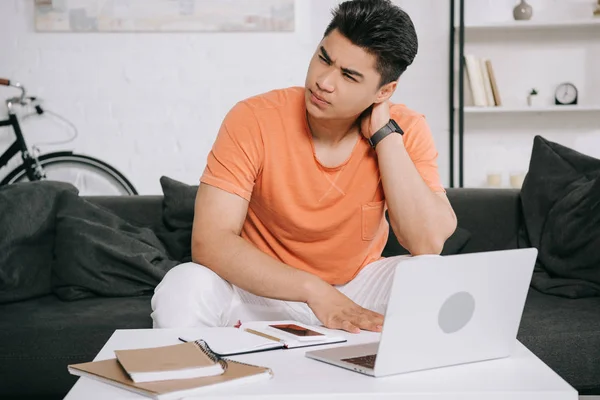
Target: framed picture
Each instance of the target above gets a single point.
(164, 15)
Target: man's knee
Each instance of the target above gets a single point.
(188, 274)
(190, 295)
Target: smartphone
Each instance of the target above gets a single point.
(301, 332)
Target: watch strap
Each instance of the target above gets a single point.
(388, 128)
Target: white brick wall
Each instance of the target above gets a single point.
(151, 103)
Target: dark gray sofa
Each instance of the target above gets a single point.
(39, 337)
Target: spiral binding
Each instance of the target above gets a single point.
(205, 348)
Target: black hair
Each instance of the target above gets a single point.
(382, 29)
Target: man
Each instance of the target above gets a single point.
(290, 214)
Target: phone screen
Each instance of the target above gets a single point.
(296, 330)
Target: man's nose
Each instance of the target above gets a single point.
(326, 82)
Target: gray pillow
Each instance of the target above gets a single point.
(178, 217)
(561, 208)
(178, 203)
(27, 221)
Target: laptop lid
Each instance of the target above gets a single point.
(454, 309)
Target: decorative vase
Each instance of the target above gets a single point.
(533, 98)
(535, 101)
(522, 11)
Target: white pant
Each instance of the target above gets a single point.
(191, 295)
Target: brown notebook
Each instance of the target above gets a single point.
(179, 361)
(112, 373)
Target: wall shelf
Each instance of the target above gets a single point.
(534, 25)
(543, 109)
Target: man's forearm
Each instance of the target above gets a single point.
(245, 266)
(421, 219)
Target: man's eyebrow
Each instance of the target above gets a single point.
(344, 70)
(324, 53)
(352, 72)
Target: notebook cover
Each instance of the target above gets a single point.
(164, 358)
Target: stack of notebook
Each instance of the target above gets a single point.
(170, 372)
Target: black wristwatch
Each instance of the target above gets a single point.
(388, 128)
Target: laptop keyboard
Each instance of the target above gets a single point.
(363, 361)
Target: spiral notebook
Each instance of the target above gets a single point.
(179, 361)
(111, 372)
(258, 336)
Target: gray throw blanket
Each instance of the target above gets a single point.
(86, 249)
(99, 253)
(27, 225)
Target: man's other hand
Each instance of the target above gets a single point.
(336, 311)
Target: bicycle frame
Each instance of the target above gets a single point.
(17, 146)
(32, 168)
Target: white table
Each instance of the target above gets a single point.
(522, 376)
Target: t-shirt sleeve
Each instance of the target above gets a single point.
(420, 146)
(236, 157)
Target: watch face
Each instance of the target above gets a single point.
(396, 127)
(566, 93)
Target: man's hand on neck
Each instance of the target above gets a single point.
(374, 118)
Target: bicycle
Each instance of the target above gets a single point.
(90, 175)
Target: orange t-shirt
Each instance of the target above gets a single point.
(326, 221)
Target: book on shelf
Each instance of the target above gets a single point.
(494, 84)
(481, 82)
(487, 84)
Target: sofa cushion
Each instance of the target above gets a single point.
(40, 337)
(178, 206)
(27, 222)
(98, 253)
(561, 207)
(492, 216)
(565, 334)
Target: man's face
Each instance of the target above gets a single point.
(341, 81)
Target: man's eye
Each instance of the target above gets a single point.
(324, 59)
(350, 77)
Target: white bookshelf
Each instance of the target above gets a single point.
(552, 48)
(533, 109)
(535, 25)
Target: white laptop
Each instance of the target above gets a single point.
(445, 310)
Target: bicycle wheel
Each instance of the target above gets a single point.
(91, 176)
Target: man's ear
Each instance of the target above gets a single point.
(386, 91)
